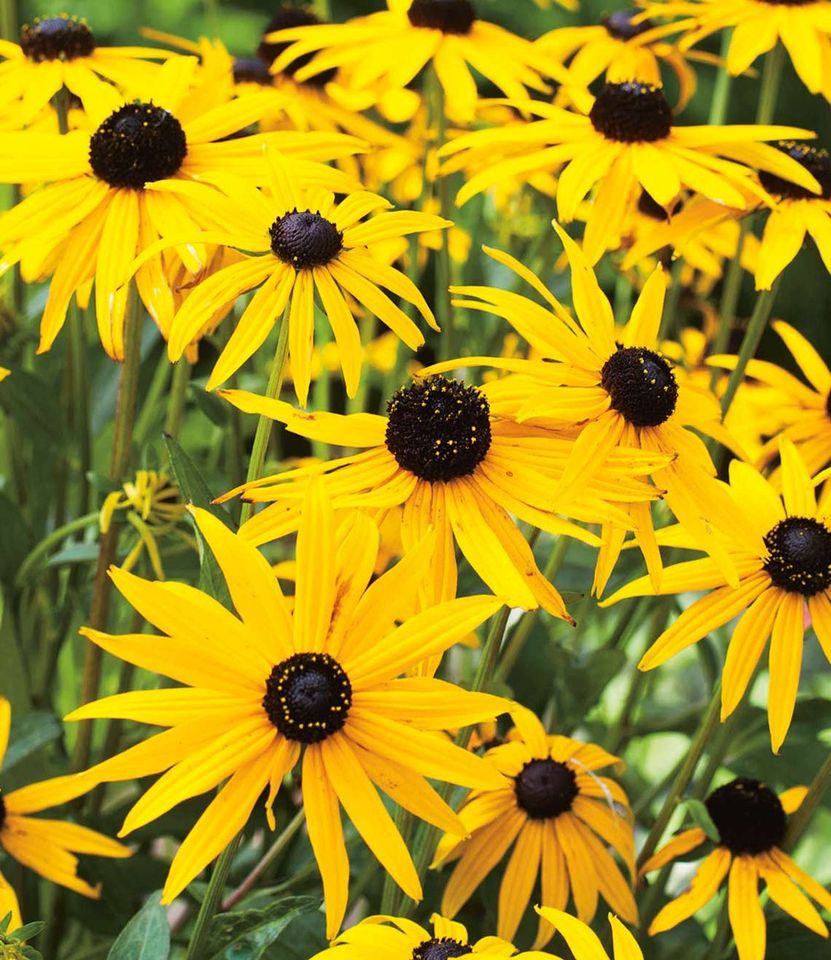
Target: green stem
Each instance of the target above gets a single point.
(800, 820)
(750, 343)
(213, 898)
(709, 723)
(125, 412)
(721, 89)
(264, 425)
(719, 942)
(671, 320)
(29, 566)
(177, 399)
(771, 81)
(730, 292)
(152, 399)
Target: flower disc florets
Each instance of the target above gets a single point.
(137, 144)
(748, 816)
(438, 429)
(449, 16)
(441, 948)
(621, 25)
(56, 38)
(252, 70)
(641, 386)
(799, 555)
(816, 161)
(287, 18)
(631, 112)
(308, 697)
(545, 788)
(305, 239)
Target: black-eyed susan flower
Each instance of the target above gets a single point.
(559, 817)
(610, 388)
(751, 821)
(397, 938)
(387, 50)
(60, 51)
(781, 548)
(146, 170)
(622, 140)
(274, 686)
(153, 507)
(302, 242)
(46, 846)
(584, 942)
(801, 412)
(454, 463)
(796, 213)
(758, 26)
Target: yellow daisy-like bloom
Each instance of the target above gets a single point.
(796, 213)
(153, 507)
(802, 413)
(397, 938)
(609, 388)
(803, 27)
(147, 170)
(303, 242)
(559, 815)
(623, 139)
(387, 50)
(751, 821)
(456, 465)
(46, 846)
(624, 45)
(781, 548)
(4, 373)
(584, 942)
(60, 51)
(319, 679)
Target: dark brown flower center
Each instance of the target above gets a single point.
(308, 697)
(641, 386)
(2, 812)
(545, 788)
(815, 160)
(441, 948)
(57, 38)
(438, 429)
(799, 555)
(621, 25)
(305, 239)
(287, 18)
(252, 70)
(631, 112)
(449, 16)
(138, 144)
(748, 816)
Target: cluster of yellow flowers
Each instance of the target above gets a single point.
(238, 200)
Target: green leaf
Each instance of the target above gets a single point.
(30, 402)
(29, 930)
(246, 935)
(210, 404)
(146, 936)
(701, 817)
(16, 540)
(30, 731)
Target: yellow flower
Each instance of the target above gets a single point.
(751, 822)
(388, 50)
(145, 171)
(758, 26)
(46, 846)
(4, 373)
(622, 140)
(796, 213)
(584, 943)
(610, 388)
(397, 938)
(794, 410)
(153, 508)
(301, 241)
(457, 465)
(560, 816)
(781, 547)
(61, 51)
(271, 686)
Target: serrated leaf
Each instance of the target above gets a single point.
(247, 934)
(146, 936)
(701, 817)
(30, 731)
